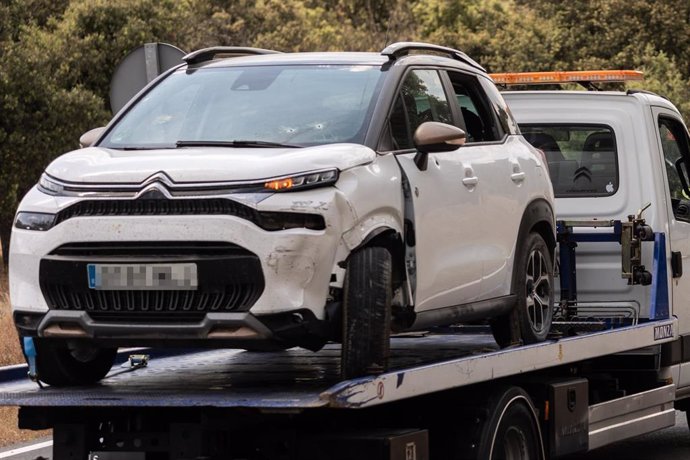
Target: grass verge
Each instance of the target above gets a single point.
(10, 353)
(10, 434)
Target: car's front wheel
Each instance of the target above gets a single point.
(62, 363)
(533, 283)
(367, 313)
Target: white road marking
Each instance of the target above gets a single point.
(23, 450)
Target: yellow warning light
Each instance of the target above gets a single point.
(280, 184)
(545, 78)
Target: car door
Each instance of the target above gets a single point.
(498, 163)
(446, 208)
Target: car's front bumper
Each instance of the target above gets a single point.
(237, 330)
(297, 266)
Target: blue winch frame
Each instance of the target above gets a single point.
(567, 242)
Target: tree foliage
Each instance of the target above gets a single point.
(54, 81)
(58, 56)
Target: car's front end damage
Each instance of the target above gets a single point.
(241, 263)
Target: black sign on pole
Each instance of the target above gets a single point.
(138, 69)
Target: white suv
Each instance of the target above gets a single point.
(260, 200)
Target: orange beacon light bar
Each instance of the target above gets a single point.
(545, 78)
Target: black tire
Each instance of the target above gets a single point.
(531, 319)
(59, 363)
(511, 431)
(367, 313)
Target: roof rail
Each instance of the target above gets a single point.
(207, 54)
(399, 49)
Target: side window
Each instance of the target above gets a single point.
(674, 142)
(480, 124)
(500, 106)
(421, 99)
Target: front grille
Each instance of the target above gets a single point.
(151, 249)
(158, 207)
(229, 279)
(234, 297)
(270, 221)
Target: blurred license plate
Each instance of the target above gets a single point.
(142, 277)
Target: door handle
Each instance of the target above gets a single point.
(676, 264)
(518, 176)
(470, 181)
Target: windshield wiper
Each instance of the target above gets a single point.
(237, 143)
(136, 147)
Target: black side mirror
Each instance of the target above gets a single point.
(88, 138)
(433, 136)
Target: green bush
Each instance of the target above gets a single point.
(58, 56)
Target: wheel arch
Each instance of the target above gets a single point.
(384, 236)
(538, 217)
(474, 434)
(391, 240)
(498, 405)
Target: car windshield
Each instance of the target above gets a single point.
(265, 106)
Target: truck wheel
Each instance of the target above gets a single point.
(535, 296)
(511, 431)
(367, 313)
(60, 363)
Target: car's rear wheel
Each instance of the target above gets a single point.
(62, 363)
(367, 313)
(538, 292)
(533, 283)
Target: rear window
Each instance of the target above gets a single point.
(582, 158)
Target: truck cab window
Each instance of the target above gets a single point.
(674, 142)
(583, 159)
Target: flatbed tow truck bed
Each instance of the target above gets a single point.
(295, 398)
(446, 395)
(297, 379)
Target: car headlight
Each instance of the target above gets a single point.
(48, 185)
(39, 221)
(302, 181)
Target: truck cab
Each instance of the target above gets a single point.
(610, 154)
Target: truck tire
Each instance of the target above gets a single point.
(510, 430)
(59, 363)
(366, 313)
(533, 279)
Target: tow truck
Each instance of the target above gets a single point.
(616, 364)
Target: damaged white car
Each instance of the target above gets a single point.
(259, 200)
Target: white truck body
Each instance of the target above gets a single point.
(643, 178)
